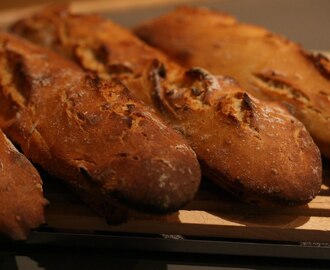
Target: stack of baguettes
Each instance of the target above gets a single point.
(120, 122)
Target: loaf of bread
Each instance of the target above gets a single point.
(265, 64)
(114, 151)
(21, 198)
(255, 149)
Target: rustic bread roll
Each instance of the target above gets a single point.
(255, 149)
(265, 64)
(99, 46)
(21, 199)
(110, 148)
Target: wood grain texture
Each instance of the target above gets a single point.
(213, 213)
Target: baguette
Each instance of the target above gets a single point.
(267, 65)
(21, 198)
(254, 149)
(116, 153)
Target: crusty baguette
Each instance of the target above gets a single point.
(92, 134)
(255, 149)
(265, 64)
(21, 198)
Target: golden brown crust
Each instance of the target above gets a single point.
(92, 134)
(99, 47)
(266, 65)
(242, 143)
(254, 149)
(21, 198)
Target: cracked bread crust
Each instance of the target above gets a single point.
(21, 197)
(108, 50)
(267, 65)
(93, 134)
(239, 139)
(255, 149)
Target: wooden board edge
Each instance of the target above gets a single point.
(203, 224)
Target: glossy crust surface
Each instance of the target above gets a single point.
(255, 149)
(21, 198)
(93, 134)
(265, 64)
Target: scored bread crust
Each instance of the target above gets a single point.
(244, 143)
(21, 197)
(255, 149)
(93, 134)
(267, 65)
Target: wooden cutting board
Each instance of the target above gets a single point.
(213, 213)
